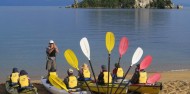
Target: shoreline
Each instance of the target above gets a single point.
(177, 82)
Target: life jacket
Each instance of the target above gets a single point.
(72, 82)
(119, 72)
(14, 77)
(106, 77)
(24, 81)
(142, 77)
(53, 73)
(86, 73)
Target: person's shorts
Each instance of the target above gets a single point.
(50, 63)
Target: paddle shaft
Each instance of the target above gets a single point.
(94, 76)
(122, 79)
(115, 75)
(119, 60)
(85, 82)
(108, 73)
(124, 87)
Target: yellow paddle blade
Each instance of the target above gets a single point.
(54, 83)
(71, 58)
(58, 82)
(110, 41)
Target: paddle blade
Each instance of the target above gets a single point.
(85, 47)
(137, 56)
(110, 41)
(58, 82)
(71, 58)
(146, 62)
(123, 46)
(154, 78)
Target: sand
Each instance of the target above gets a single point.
(174, 82)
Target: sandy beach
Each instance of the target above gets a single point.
(174, 82)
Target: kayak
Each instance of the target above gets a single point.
(137, 88)
(145, 88)
(13, 89)
(103, 88)
(54, 90)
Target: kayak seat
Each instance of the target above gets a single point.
(84, 79)
(74, 89)
(13, 85)
(25, 89)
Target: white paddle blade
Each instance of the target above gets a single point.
(137, 55)
(85, 47)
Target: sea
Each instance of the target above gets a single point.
(25, 32)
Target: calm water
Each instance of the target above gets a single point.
(25, 32)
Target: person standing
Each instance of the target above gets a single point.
(51, 52)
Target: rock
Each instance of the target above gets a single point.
(179, 7)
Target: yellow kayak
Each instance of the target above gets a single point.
(103, 88)
(138, 88)
(143, 88)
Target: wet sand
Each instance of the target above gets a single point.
(176, 82)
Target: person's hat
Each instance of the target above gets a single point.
(116, 64)
(23, 72)
(51, 41)
(15, 70)
(103, 67)
(70, 70)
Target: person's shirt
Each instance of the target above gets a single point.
(51, 53)
(114, 71)
(101, 77)
(71, 81)
(142, 77)
(85, 73)
(14, 77)
(24, 81)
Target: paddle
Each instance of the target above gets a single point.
(146, 62)
(58, 81)
(143, 65)
(151, 80)
(110, 42)
(73, 61)
(154, 78)
(136, 57)
(123, 46)
(86, 50)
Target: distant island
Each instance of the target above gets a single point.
(161, 4)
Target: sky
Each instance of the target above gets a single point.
(60, 2)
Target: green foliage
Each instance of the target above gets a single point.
(121, 3)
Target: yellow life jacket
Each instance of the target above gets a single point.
(24, 81)
(53, 73)
(14, 77)
(142, 77)
(86, 73)
(119, 72)
(106, 77)
(72, 82)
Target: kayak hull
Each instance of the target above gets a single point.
(137, 88)
(143, 88)
(14, 89)
(55, 90)
(11, 90)
(103, 88)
